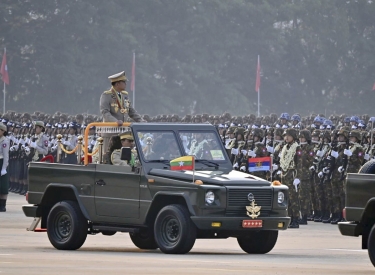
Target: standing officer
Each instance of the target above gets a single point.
(4, 161)
(115, 106)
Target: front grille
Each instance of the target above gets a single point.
(237, 201)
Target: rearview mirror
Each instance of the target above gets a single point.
(126, 153)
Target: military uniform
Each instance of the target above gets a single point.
(4, 161)
(115, 106)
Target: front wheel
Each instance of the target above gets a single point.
(174, 231)
(66, 226)
(258, 242)
(371, 245)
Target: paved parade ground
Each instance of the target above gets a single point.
(313, 249)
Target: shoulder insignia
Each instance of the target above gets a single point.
(299, 152)
(360, 154)
(108, 92)
(4, 145)
(311, 153)
(124, 92)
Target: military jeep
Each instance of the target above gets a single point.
(159, 207)
(360, 208)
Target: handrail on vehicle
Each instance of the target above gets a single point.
(99, 124)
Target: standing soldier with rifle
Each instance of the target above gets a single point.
(306, 160)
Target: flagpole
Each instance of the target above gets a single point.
(5, 50)
(258, 102)
(133, 80)
(258, 84)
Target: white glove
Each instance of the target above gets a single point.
(27, 150)
(312, 168)
(270, 149)
(367, 157)
(285, 127)
(319, 153)
(235, 165)
(320, 175)
(278, 172)
(274, 167)
(12, 149)
(234, 151)
(296, 182)
(251, 153)
(334, 154)
(53, 148)
(348, 152)
(325, 170)
(3, 172)
(244, 152)
(243, 168)
(340, 169)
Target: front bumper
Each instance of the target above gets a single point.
(31, 210)
(350, 229)
(235, 223)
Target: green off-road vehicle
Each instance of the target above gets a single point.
(159, 207)
(360, 208)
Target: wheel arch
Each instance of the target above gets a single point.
(367, 221)
(56, 192)
(162, 199)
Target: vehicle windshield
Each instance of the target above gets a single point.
(158, 145)
(202, 145)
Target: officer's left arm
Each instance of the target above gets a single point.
(134, 115)
(5, 148)
(72, 143)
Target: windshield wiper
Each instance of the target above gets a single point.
(208, 163)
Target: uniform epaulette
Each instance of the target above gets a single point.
(108, 92)
(124, 92)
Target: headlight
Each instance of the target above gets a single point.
(280, 197)
(210, 197)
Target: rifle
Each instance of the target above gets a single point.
(345, 161)
(331, 161)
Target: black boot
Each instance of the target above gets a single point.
(19, 189)
(2, 205)
(24, 190)
(318, 216)
(294, 223)
(310, 217)
(337, 218)
(303, 221)
(327, 218)
(11, 183)
(15, 186)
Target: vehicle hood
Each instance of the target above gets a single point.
(211, 177)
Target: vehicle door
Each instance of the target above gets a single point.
(117, 191)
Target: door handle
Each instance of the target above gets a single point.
(100, 182)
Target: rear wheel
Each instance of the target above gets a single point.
(258, 242)
(174, 231)
(66, 226)
(144, 239)
(371, 245)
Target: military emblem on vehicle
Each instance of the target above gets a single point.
(250, 197)
(253, 210)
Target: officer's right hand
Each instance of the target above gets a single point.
(312, 168)
(341, 169)
(320, 175)
(119, 122)
(3, 172)
(243, 168)
(235, 165)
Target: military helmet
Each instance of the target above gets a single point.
(344, 132)
(278, 132)
(257, 132)
(231, 130)
(285, 116)
(269, 131)
(296, 117)
(205, 115)
(326, 134)
(356, 134)
(316, 133)
(291, 132)
(305, 134)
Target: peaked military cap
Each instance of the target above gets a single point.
(127, 135)
(118, 77)
(39, 123)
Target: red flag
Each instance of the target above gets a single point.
(132, 84)
(4, 69)
(373, 87)
(257, 82)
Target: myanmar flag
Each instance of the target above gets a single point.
(259, 164)
(182, 163)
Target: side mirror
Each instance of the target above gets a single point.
(126, 153)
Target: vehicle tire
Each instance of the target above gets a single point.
(174, 231)
(144, 239)
(371, 245)
(368, 168)
(66, 226)
(258, 242)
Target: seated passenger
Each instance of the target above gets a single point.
(127, 140)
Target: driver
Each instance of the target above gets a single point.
(127, 140)
(199, 147)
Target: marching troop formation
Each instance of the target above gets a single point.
(311, 155)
